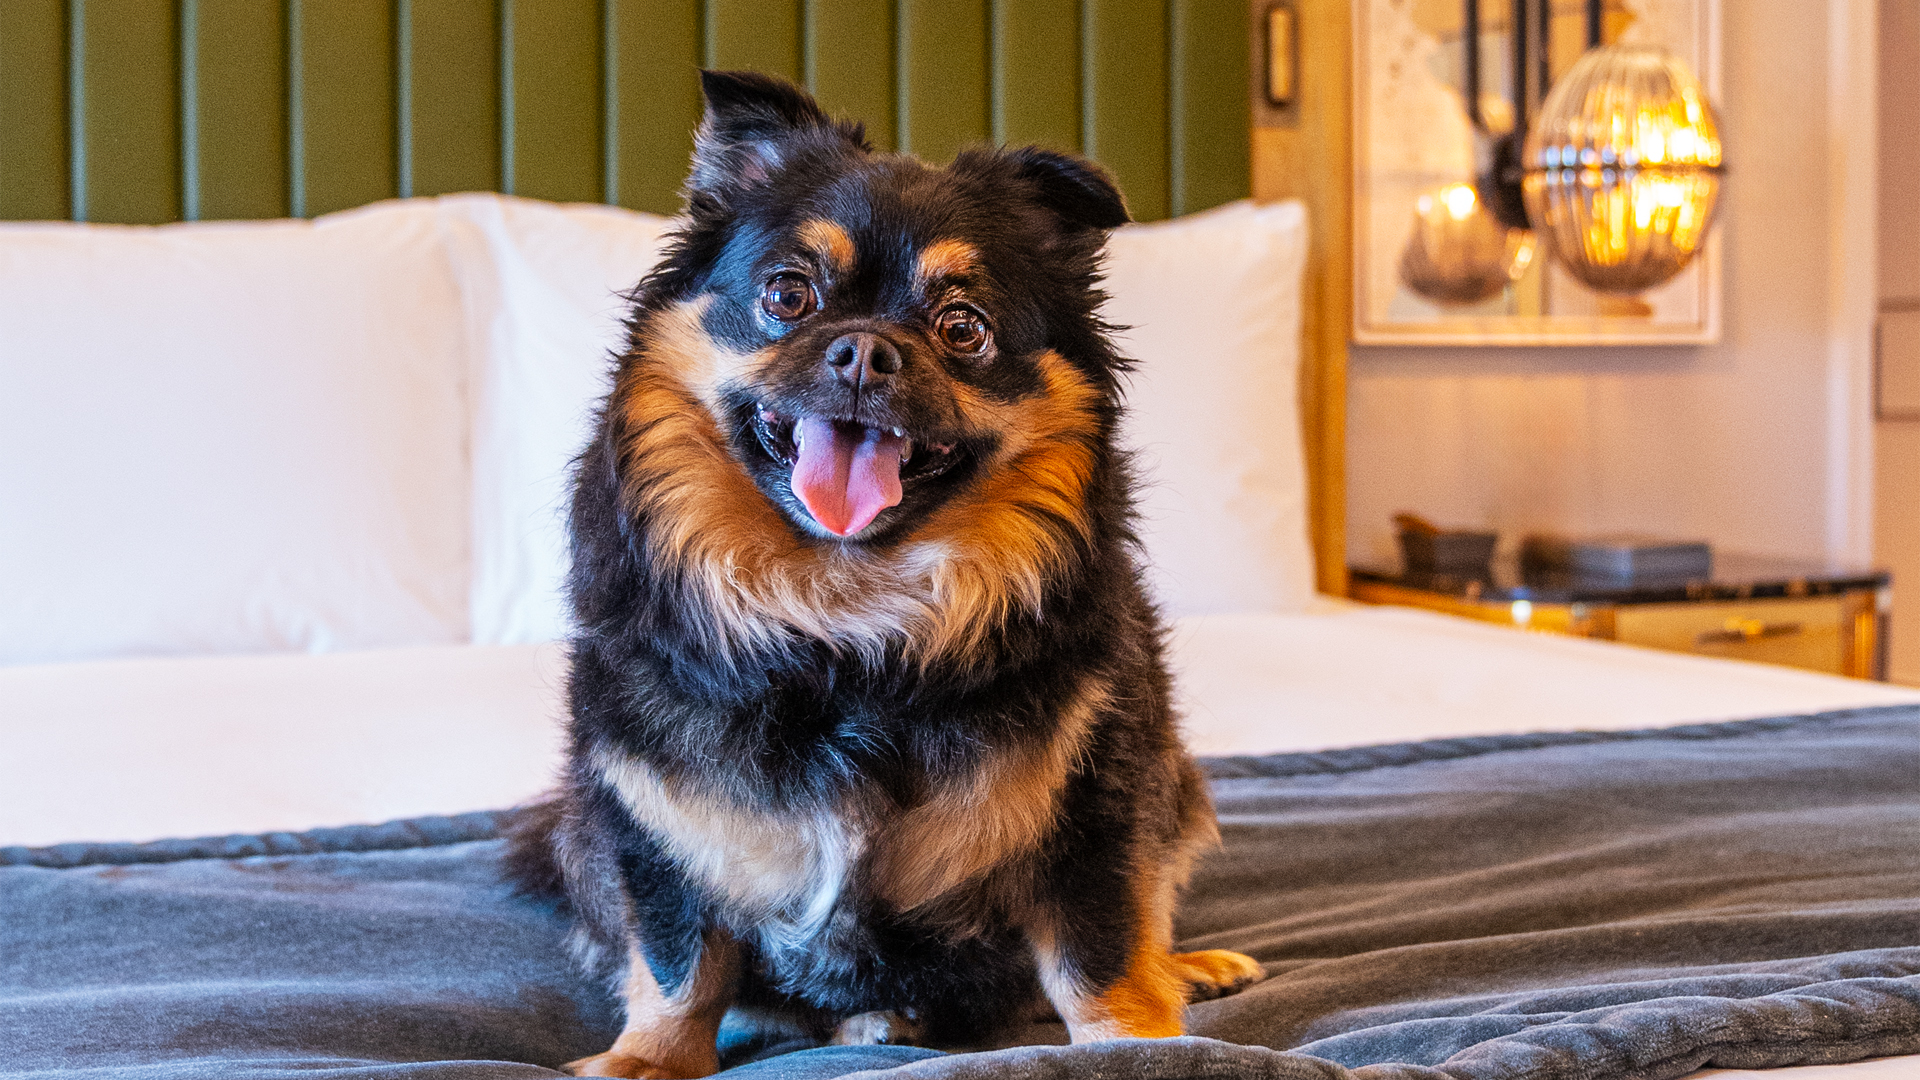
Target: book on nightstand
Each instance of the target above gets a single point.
(1621, 557)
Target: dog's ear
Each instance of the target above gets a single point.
(1079, 191)
(751, 122)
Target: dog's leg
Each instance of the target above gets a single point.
(670, 1035)
(1109, 970)
(1112, 974)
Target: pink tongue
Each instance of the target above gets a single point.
(846, 474)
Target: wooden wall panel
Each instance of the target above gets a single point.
(555, 97)
(1036, 73)
(33, 109)
(449, 109)
(1307, 154)
(942, 76)
(254, 108)
(126, 151)
(233, 109)
(848, 61)
(342, 140)
(654, 50)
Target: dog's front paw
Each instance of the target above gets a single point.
(615, 1063)
(878, 1029)
(1217, 973)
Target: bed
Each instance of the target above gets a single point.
(279, 612)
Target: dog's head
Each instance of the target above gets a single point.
(882, 334)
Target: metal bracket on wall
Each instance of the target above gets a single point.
(1282, 25)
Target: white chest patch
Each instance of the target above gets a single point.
(785, 871)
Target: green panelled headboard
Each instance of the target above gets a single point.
(163, 110)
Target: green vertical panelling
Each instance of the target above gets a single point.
(451, 140)
(33, 109)
(557, 98)
(295, 105)
(129, 116)
(755, 35)
(943, 76)
(238, 167)
(850, 64)
(1125, 113)
(1211, 116)
(654, 51)
(1036, 73)
(344, 51)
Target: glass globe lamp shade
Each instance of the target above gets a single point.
(1459, 253)
(1623, 168)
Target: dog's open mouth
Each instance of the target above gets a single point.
(844, 472)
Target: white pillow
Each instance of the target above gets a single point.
(551, 310)
(231, 437)
(1213, 302)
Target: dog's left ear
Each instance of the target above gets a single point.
(750, 125)
(1078, 190)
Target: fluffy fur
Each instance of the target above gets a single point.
(902, 782)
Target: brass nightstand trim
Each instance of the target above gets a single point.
(1839, 633)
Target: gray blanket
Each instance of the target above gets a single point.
(1561, 907)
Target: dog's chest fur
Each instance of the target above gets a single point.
(794, 875)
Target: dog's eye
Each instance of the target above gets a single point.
(962, 329)
(788, 296)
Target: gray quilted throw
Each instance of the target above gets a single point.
(1557, 907)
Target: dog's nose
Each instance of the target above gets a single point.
(862, 359)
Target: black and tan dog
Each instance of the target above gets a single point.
(870, 722)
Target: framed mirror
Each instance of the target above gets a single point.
(1415, 157)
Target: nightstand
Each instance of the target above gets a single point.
(1769, 610)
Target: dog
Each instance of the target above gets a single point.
(871, 728)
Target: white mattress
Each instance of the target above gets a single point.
(141, 749)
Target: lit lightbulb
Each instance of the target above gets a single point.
(1623, 168)
(1458, 253)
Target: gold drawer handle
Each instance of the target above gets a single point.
(1748, 630)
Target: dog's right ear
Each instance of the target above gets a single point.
(751, 124)
(1081, 192)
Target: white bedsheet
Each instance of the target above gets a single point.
(141, 749)
(1350, 675)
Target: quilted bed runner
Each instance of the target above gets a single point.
(1585, 906)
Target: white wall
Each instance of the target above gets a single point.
(1897, 443)
(1750, 443)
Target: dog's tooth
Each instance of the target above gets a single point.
(899, 433)
(906, 449)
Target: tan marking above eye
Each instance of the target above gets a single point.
(945, 259)
(829, 242)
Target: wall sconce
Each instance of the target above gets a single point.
(1623, 169)
(1619, 175)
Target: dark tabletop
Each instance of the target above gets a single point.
(1735, 577)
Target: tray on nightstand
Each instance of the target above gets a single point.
(1822, 618)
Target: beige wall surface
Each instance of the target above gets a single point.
(1896, 541)
(1729, 442)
